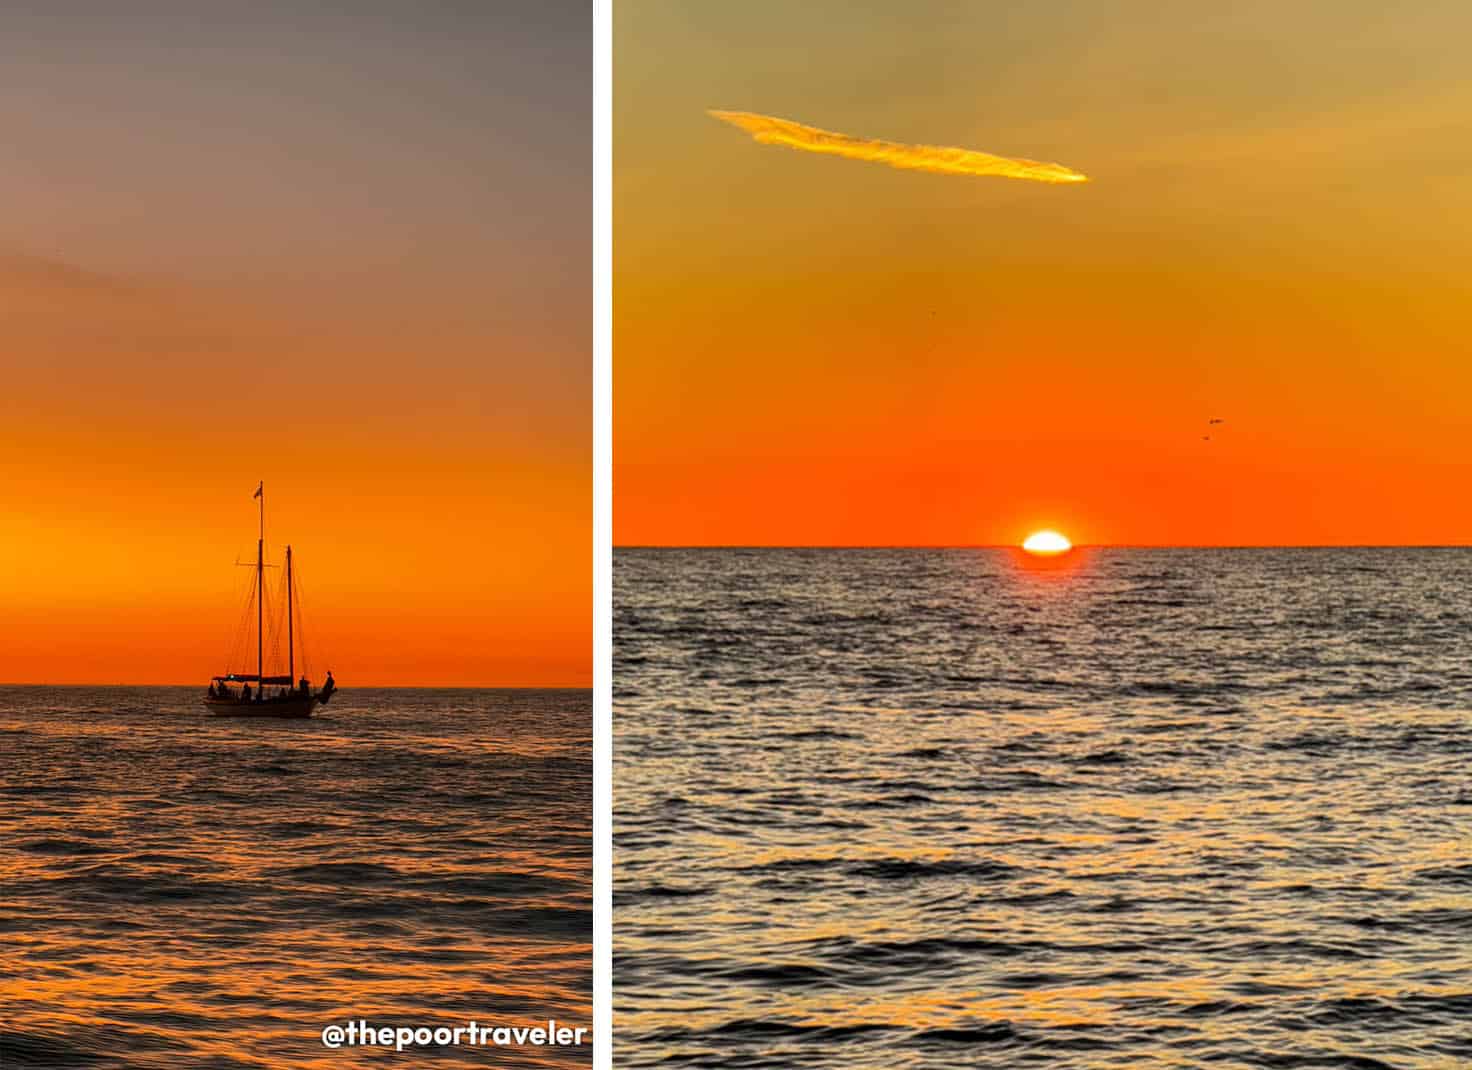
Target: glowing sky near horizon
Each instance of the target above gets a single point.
(346, 251)
(1277, 232)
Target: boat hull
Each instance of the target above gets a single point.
(294, 708)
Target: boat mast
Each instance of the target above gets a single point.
(290, 646)
(261, 593)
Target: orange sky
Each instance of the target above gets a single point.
(352, 264)
(1277, 231)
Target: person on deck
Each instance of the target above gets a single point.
(212, 689)
(245, 693)
(304, 686)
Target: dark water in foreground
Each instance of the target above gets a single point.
(182, 891)
(1155, 809)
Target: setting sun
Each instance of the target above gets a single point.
(1046, 542)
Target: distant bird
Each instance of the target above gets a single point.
(1205, 438)
(1215, 420)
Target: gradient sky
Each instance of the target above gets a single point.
(1277, 231)
(344, 252)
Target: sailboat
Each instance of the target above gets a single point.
(251, 694)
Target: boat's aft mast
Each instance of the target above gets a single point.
(261, 592)
(290, 645)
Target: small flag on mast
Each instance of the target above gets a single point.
(262, 487)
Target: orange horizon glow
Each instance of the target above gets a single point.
(438, 509)
(1244, 330)
(386, 599)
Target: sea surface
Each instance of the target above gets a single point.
(179, 890)
(1131, 808)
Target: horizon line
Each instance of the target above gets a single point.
(360, 687)
(1076, 546)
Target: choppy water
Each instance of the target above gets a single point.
(178, 890)
(1157, 808)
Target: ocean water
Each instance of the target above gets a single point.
(178, 890)
(1140, 808)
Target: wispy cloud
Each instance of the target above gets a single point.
(770, 130)
(22, 272)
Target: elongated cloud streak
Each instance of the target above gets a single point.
(770, 130)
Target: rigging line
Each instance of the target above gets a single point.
(272, 644)
(230, 642)
(296, 620)
(283, 599)
(301, 635)
(275, 635)
(242, 627)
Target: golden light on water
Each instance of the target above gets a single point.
(1047, 542)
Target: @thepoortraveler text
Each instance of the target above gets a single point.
(360, 1033)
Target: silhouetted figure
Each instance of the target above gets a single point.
(212, 689)
(304, 686)
(245, 693)
(327, 688)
